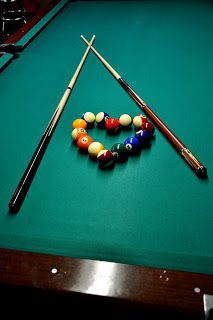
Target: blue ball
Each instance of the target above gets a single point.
(101, 118)
(144, 137)
(132, 144)
(89, 117)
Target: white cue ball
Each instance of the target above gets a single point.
(125, 120)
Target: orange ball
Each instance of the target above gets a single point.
(77, 133)
(79, 123)
(84, 142)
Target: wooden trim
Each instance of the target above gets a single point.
(149, 288)
(15, 37)
(20, 33)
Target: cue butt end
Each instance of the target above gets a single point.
(13, 208)
(202, 172)
(195, 164)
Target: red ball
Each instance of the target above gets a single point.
(112, 125)
(148, 126)
(139, 120)
(105, 159)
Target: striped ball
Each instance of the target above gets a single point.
(101, 118)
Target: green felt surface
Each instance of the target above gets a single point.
(152, 210)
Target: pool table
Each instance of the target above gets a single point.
(136, 239)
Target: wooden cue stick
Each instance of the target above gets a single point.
(194, 163)
(25, 182)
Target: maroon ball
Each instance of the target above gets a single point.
(105, 159)
(148, 126)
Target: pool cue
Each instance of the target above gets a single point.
(25, 182)
(193, 162)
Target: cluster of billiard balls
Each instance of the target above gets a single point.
(119, 152)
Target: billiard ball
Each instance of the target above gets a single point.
(79, 123)
(144, 137)
(89, 117)
(132, 144)
(105, 159)
(101, 118)
(77, 133)
(84, 142)
(125, 121)
(139, 120)
(112, 125)
(148, 126)
(95, 148)
(119, 152)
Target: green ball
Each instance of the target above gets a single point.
(120, 152)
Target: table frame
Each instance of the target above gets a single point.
(138, 288)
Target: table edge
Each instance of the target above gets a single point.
(18, 36)
(161, 289)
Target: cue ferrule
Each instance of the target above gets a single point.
(193, 162)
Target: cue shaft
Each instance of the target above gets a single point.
(27, 178)
(194, 163)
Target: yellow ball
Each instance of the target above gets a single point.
(79, 123)
(95, 148)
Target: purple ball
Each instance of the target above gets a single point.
(144, 137)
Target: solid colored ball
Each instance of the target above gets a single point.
(89, 117)
(144, 137)
(132, 144)
(119, 152)
(112, 125)
(79, 123)
(105, 159)
(139, 120)
(95, 148)
(101, 118)
(84, 142)
(125, 121)
(77, 133)
(148, 126)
